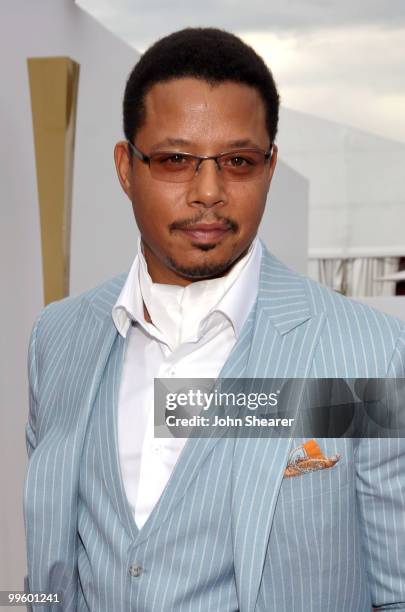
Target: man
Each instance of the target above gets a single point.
(118, 521)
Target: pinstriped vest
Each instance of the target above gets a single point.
(122, 568)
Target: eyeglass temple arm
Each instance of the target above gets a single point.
(268, 153)
(138, 153)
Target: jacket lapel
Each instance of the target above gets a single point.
(106, 437)
(285, 336)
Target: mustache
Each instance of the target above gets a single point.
(201, 218)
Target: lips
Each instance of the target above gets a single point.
(205, 232)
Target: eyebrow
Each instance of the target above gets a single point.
(173, 142)
(181, 142)
(243, 142)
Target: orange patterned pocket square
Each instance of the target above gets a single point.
(308, 458)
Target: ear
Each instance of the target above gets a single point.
(123, 164)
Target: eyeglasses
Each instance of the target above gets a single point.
(176, 167)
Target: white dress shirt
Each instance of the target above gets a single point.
(193, 331)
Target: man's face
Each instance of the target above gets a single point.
(200, 228)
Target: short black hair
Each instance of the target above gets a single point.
(208, 54)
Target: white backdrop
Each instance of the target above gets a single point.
(357, 186)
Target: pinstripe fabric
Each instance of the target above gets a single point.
(228, 532)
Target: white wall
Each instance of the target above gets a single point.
(357, 185)
(284, 227)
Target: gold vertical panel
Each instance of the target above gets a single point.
(54, 86)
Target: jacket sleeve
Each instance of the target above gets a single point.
(380, 468)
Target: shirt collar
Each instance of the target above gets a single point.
(239, 300)
(239, 291)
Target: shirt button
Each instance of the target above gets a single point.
(156, 448)
(135, 570)
(172, 372)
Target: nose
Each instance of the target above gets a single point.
(207, 188)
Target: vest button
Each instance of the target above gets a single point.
(135, 570)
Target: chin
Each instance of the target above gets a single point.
(203, 270)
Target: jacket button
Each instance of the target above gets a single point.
(135, 570)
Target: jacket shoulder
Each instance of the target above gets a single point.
(356, 340)
(101, 298)
(350, 310)
(55, 323)
(364, 341)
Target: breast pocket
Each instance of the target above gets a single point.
(318, 482)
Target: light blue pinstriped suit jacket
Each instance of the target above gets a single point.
(331, 540)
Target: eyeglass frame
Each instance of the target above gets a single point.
(146, 159)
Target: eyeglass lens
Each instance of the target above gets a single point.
(180, 167)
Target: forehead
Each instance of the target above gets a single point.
(203, 114)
